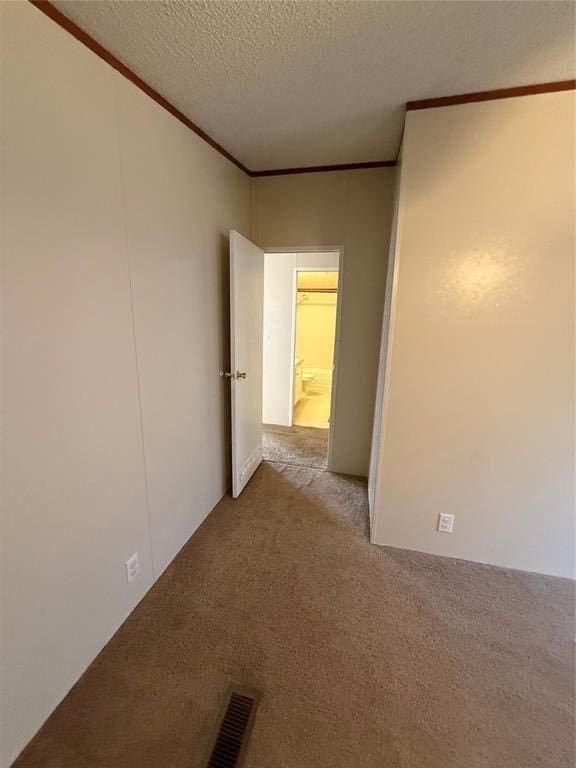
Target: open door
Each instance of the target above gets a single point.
(246, 328)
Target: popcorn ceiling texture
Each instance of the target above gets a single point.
(283, 84)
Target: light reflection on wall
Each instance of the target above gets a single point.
(483, 277)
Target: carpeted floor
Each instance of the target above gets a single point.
(299, 446)
(366, 657)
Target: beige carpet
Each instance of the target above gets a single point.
(300, 446)
(366, 657)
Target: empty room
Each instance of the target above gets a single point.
(288, 384)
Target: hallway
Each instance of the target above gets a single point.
(299, 446)
(366, 656)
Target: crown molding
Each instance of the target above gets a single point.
(500, 93)
(324, 168)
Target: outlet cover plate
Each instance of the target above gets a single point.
(132, 567)
(445, 523)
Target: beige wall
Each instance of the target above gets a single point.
(479, 417)
(114, 262)
(351, 209)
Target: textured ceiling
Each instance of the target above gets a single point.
(283, 84)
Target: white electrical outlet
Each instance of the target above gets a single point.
(445, 523)
(132, 567)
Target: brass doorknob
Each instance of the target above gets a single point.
(240, 375)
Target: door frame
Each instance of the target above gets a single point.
(339, 249)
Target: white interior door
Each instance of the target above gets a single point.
(246, 329)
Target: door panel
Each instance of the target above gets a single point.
(246, 329)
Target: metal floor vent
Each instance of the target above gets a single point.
(232, 737)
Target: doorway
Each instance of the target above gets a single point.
(315, 337)
(300, 350)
